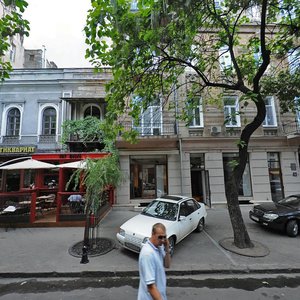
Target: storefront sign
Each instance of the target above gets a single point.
(18, 149)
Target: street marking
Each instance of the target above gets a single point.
(221, 249)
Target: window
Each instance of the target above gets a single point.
(134, 5)
(294, 60)
(231, 112)
(92, 111)
(224, 58)
(13, 122)
(297, 100)
(257, 56)
(49, 121)
(12, 52)
(196, 114)
(219, 4)
(150, 122)
(270, 119)
(245, 188)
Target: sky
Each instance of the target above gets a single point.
(58, 25)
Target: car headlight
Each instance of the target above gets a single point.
(270, 217)
(122, 232)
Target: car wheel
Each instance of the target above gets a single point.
(172, 245)
(292, 228)
(200, 225)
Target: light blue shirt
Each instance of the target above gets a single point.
(152, 271)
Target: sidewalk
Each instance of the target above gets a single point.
(43, 252)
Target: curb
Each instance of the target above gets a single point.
(122, 274)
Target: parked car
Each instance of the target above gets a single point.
(180, 215)
(282, 215)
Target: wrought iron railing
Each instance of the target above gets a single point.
(47, 138)
(156, 129)
(11, 139)
(291, 128)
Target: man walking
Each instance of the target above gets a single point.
(154, 256)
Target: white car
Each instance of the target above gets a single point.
(180, 215)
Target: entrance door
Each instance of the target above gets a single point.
(200, 186)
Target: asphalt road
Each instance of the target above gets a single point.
(242, 287)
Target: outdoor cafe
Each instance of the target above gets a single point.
(35, 192)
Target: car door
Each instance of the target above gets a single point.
(185, 221)
(194, 213)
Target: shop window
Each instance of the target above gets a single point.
(245, 188)
(231, 112)
(270, 119)
(275, 176)
(13, 122)
(49, 121)
(148, 176)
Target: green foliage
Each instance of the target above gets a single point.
(84, 130)
(286, 87)
(151, 48)
(11, 24)
(98, 175)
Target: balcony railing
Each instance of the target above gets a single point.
(157, 129)
(291, 128)
(11, 139)
(47, 138)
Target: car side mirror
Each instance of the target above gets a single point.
(181, 218)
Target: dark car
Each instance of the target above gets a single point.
(283, 215)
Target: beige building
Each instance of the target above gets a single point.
(192, 160)
(15, 53)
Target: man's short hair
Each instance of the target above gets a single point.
(158, 225)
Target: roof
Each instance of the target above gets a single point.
(174, 197)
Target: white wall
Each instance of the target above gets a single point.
(214, 166)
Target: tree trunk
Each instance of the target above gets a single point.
(241, 236)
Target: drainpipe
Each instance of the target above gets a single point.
(180, 140)
(181, 171)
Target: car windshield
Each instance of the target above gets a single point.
(292, 201)
(162, 210)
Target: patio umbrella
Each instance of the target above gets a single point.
(81, 164)
(28, 164)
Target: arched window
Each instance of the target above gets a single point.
(13, 122)
(92, 111)
(49, 121)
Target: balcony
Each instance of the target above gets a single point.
(47, 139)
(11, 139)
(291, 129)
(157, 129)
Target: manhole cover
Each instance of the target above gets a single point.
(98, 246)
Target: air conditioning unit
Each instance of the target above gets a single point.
(215, 130)
(67, 94)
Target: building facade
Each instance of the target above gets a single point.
(170, 157)
(35, 103)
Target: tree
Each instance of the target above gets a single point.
(150, 49)
(97, 177)
(11, 24)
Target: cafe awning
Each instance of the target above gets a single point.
(81, 164)
(29, 164)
